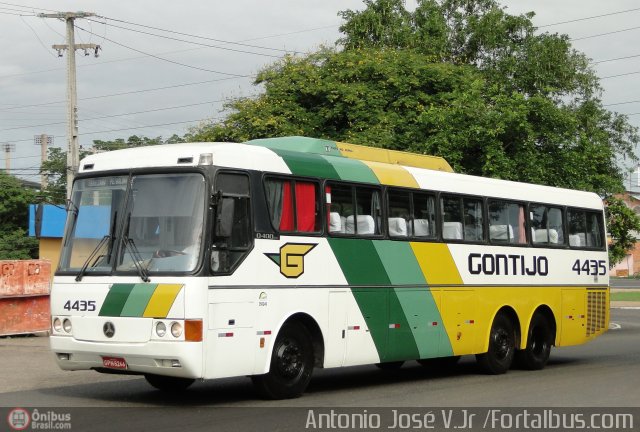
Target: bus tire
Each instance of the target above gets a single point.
(440, 362)
(390, 366)
(539, 341)
(291, 364)
(169, 383)
(502, 345)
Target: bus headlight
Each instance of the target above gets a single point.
(176, 329)
(66, 325)
(161, 329)
(57, 325)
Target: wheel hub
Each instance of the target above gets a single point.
(289, 359)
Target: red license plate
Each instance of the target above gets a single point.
(114, 362)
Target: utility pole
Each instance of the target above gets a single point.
(8, 149)
(73, 158)
(43, 141)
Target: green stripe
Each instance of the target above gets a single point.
(417, 305)
(116, 299)
(138, 300)
(421, 311)
(354, 255)
(299, 144)
(390, 263)
(402, 268)
(352, 169)
(399, 262)
(304, 164)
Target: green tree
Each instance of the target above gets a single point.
(461, 79)
(14, 216)
(624, 226)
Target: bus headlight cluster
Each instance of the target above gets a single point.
(176, 329)
(62, 325)
(163, 328)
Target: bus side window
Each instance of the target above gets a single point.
(473, 219)
(294, 205)
(451, 217)
(354, 210)
(232, 234)
(423, 223)
(506, 222)
(546, 225)
(585, 229)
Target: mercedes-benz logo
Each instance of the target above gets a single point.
(109, 329)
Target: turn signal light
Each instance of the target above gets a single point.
(193, 330)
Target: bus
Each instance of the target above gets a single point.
(276, 256)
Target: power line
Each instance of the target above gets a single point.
(117, 115)
(605, 34)
(164, 59)
(131, 92)
(622, 103)
(589, 18)
(198, 37)
(615, 59)
(620, 75)
(16, 14)
(12, 9)
(31, 8)
(37, 37)
(165, 52)
(123, 129)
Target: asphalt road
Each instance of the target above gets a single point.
(603, 373)
(624, 283)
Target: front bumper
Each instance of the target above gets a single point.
(153, 357)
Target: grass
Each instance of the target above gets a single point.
(625, 296)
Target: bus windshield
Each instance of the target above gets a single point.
(147, 223)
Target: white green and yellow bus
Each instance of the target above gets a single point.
(276, 256)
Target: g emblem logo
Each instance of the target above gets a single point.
(291, 258)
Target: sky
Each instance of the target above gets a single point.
(159, 86)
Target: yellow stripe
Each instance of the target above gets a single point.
(374, 154)
(161, 300)
(392, 175)
(436, 263)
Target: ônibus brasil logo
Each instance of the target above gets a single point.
(18, 419)
(291, 258)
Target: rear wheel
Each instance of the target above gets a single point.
(539, 341)
(291, 364)
(502, 345)
(390, 366)
(169, 384)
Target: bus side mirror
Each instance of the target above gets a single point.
(224, 217)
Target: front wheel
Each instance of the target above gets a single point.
(539, 341)
(168, 383)
(291, 364)
(502, 345)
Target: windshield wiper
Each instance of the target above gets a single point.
(133, 250)
(137, 258)
(93, 253)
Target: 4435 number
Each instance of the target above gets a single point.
(590, 267)
(80, 305)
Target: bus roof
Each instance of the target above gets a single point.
(277, 157)
(353, 151)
